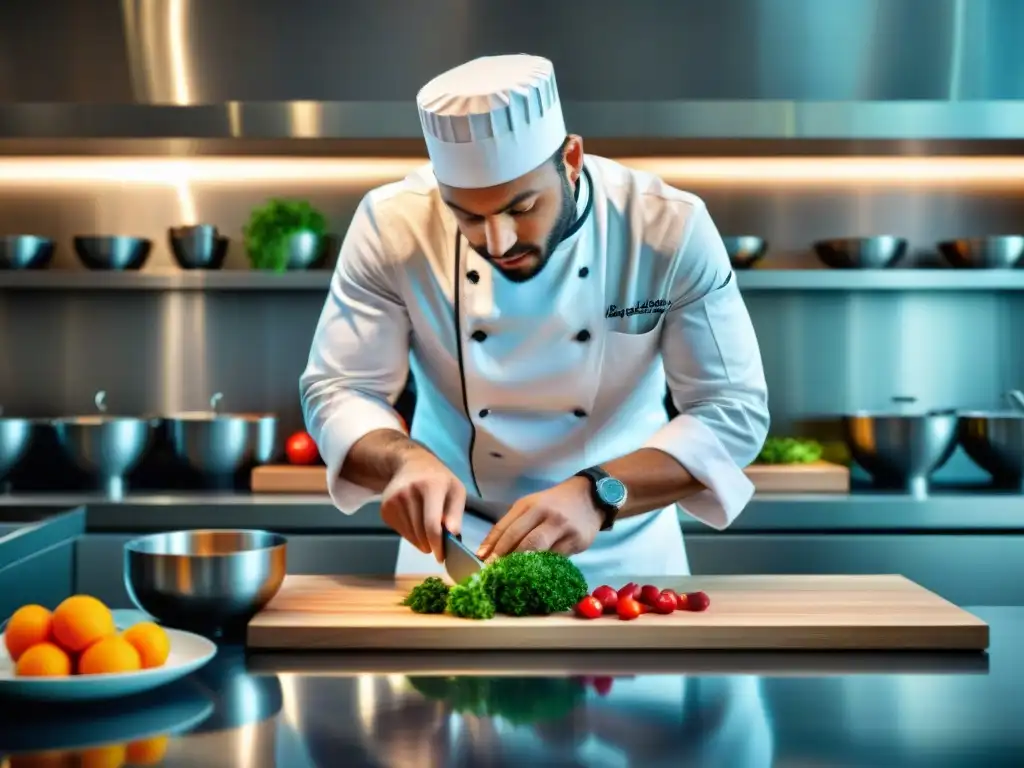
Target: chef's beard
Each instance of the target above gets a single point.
(566, 218)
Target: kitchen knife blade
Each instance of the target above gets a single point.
(459, 560)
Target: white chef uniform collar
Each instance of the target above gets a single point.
(491, 120)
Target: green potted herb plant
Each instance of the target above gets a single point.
(285, 234)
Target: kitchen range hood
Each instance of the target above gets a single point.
(731, 69)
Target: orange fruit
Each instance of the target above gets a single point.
(148, 751)
(111, 654)
(43, 660)
(80, 621)
(28, 626)
(151, 641)
(107, 756)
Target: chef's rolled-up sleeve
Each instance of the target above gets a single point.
(359, 359)
(715, 376)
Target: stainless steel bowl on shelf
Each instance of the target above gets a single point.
(219, 445)
(879, 252)
(15, 438)
(105, 446)
(306, 250)
(745, 250)
(25, 252)
(901, 449)
(198, 246)
(994, 440)
(997, 252)
(112, 252)
(208, 581)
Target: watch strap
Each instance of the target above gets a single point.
(608, 511)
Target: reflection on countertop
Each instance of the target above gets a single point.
(630, 710)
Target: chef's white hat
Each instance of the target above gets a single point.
(491, 120)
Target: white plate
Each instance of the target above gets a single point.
(189, 652)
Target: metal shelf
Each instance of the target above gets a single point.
(320, 279)
(171, 280)
(881, 280)
(749, 119)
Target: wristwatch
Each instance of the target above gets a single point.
(609, 494)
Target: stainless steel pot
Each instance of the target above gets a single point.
(901, 449)
(219, 445)
(108, 447)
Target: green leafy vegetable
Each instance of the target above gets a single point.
(518, 584)
(789, 450)
(470, 599)
(534, 583)
(270, 226)
(429, 597)
(517, 700)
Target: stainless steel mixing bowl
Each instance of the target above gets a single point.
(861, 252)
(219, 445)
(207, 581)
(997, 252)
(25, 252)
(198, 247)
(107, 447)
(115, 252)
(745, 250)
(995, 442)
(15, 437)
(901, 450)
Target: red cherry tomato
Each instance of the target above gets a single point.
(300, 449)
(649, 594)
(631, 590)
(682, 604)
(603, 685)
(589, 607)
(697, 601)
(666, 603)
(607, 596)
(628, 608)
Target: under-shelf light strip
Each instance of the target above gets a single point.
(800, 171)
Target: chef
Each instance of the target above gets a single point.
(542, 298)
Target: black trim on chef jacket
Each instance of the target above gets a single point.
(457, 309)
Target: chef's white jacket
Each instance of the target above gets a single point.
(520, 385)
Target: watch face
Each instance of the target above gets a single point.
(611, 491)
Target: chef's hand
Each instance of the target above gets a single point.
(422, 494)
(562, 519)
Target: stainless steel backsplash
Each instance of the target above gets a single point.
(825, 353)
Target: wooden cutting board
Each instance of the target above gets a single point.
(287, 478)
(883, 612)
(815, 477)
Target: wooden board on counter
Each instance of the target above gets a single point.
(288, 478)
(835, 612)
(815, 477)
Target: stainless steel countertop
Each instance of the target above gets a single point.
(571, 709)
(864, 511)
